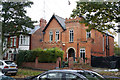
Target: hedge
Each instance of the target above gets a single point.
(44, 56)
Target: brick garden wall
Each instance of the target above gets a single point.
(45, 66)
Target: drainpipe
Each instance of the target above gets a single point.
(106, 45)
(43, 38)
(77, 51)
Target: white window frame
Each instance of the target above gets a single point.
(57, 37)
(50, 36)
(11, 42)
(71, 35)
(88, 34)
(81, 51)
(23, 40)
(14, 42)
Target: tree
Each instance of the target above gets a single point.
(14, 17)
(100, 16)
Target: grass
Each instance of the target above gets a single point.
(28, 72)
(22, 73)
(117, 74)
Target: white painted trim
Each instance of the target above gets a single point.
(68, 49)
(79, 52)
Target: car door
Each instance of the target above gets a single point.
(52, 76)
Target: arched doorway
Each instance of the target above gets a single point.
(71, 53)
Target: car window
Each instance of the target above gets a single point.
(9, 62)
(51, 76)
(91, 76)
(88, 75)
(69, 76)
(1, 63)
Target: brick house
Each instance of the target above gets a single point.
(70, 36)
(16, 43)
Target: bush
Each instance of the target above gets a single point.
(44, 56)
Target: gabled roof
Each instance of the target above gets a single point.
(60, 20)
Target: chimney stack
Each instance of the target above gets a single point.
(43, 23)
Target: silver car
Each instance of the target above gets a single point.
(67, 75)
(8, 67)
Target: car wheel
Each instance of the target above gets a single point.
(13, 74)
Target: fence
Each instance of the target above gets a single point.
(105, 62)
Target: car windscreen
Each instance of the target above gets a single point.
(8, 62)
(91, 76)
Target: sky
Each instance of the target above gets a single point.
(46, 8)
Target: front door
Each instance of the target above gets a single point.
(71, 53)
(82, 54)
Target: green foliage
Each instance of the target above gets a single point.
(98, 15)
(44, 56)
(14, 18)
(117, 51)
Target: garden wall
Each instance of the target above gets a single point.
(45, 66)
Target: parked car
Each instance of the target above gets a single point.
(67, 75)
(3, 77)
(8, 67)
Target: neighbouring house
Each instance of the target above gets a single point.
(71, 36)
(16, 43)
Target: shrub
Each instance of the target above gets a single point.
(44, 56)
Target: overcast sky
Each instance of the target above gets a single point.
(46, 8)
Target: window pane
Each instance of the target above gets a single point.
(14, 41)
(51, 35)
(72, 77)
(11, 42)
(71, 35)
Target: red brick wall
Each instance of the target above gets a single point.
(37, 37)
(93, 45)
(45, 66)
(53, 26)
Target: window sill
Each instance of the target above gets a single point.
(70, 42)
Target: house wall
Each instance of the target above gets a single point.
(53, 26)
(37, 36)
(93, 46)
(13, 50)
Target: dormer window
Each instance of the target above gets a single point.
(51, 36)
(71, 35)
(57, 35)
(88, 34)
